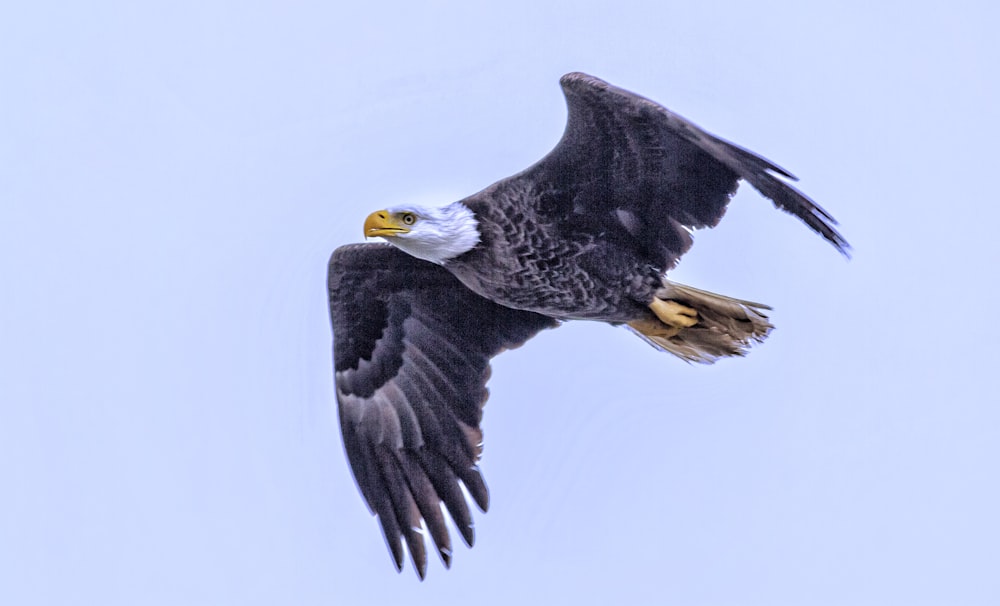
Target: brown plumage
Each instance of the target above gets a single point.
(588, 232)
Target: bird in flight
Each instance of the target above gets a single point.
(587, 233)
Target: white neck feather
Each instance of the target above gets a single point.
(440, 233)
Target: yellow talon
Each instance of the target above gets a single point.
(674, 314)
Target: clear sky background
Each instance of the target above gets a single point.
(174, 176)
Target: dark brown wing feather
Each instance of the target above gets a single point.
(627, 163)
(411, 350)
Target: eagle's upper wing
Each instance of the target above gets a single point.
(629, 163)
(411, 358)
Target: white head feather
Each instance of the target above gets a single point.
(436, 234)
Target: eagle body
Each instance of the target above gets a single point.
(587, 233)
(552, 266)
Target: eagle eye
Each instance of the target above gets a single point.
(408, 219)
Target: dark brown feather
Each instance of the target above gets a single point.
(412, 348)
(589, 230)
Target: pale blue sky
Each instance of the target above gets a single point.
(173, 177)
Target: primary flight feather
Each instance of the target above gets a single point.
(587, 233)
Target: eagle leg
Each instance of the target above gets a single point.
(673, 314)
(671, 318)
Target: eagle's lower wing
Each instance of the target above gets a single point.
(630, 162)
(412, 348)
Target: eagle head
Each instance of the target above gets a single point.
(434, 234)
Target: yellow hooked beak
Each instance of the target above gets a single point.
(381, 223)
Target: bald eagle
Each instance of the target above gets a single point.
(587, 233)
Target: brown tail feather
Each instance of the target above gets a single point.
(726, 326)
